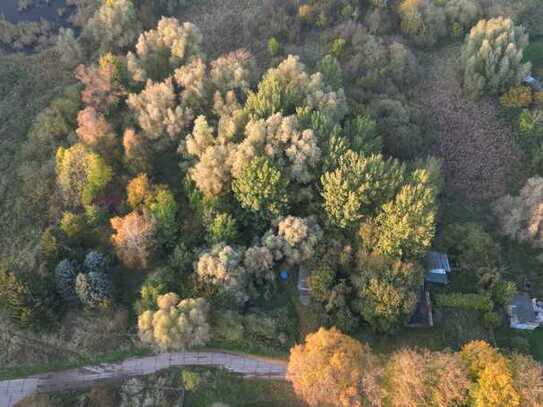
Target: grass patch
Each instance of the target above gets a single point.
(220, 386)
(534, 54)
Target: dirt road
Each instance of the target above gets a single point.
(11, 391)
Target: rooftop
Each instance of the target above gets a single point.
(522, 309)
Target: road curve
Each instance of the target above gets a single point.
(12, 391)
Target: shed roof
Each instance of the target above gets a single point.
(436, 276)
(523, 309)
(534, 83)
(437, 261)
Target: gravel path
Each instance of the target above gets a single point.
(12, 391)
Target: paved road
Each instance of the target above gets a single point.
(12, 391)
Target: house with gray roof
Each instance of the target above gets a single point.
(525, 312)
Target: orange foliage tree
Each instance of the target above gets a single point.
(333, 368)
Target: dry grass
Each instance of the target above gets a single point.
(27, 85)
(480, 155)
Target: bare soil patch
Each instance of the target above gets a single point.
(480, 156)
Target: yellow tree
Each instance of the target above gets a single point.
(334, 368)
(493, 381)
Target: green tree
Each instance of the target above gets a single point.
(358, 186)
(362, 132)
(262, 189)
(386, 290)
(406, 226)
(81, 174)
(492, 57)
(223, 228)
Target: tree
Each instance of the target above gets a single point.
(472, 247)
(177, 325)
(93, 289)
(295, 241)
(262, 190)
(134, 238)
(518, 216)
(362, 132)
(94, 130)
(96, 262)
(223, 228)
(81, 174)
(137, 154)
(461, 15)
(222, 270)
(65, 275)
(406, 226)
(288, 86)
(527, 379)
(358, 186)
(492, 375)
(114, 26)
(332, 368)
(492, 57)
(103, 86)
(386, 290)
(422, 20)
(159, 202)
(138, 191)
(68, 48)
(158, 113)
(420, 377)
(160, 51)
(27, 299)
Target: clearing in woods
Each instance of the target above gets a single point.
(480, 156)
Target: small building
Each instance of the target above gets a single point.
(437, 268)
(533, 83)
(525, 312)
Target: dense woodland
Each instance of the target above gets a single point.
(184, 153)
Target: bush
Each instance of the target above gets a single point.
(517, 97)
(520, 344)
(476, 302)
(273, 47)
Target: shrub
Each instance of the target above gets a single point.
(273, 46)
(337, 47)
(478, 302)
(517, 97)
